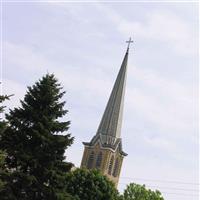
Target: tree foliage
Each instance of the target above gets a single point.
(140, 192)
(2, 122)
(90, 185)
(35, 144)
(3, 170)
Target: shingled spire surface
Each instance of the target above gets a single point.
(111, 122)
(109, 130)
(104, 151)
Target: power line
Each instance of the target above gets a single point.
(180, 194)
(174, 193)
(161, 181)
(170, 188)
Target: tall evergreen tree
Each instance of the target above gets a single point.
(35, 143)
(3, 170)
(2, 122)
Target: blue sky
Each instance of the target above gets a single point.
(84, 44)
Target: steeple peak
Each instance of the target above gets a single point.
(110, 125)
(129, 42)
(105, 151)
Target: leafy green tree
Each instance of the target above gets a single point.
(35, 142)
(140, 192)
(90, 185)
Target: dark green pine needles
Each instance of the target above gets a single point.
(2, 122)
(35, 145)
(3, 172)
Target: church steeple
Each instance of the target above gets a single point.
(104, 151)
(110, 125)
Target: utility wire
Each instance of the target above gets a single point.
(180, 194)
(161, 181)
(170, 188)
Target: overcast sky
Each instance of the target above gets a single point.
(83, 44)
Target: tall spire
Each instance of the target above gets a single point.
(105, 151)
(110, 125)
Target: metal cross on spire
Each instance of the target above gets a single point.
(129, 41)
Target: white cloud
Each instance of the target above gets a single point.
(25, 58)
(170, 105)
(14, 88)
(76, 79)
(161, 26)
(161, 144)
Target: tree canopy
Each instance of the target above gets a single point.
(35, 142)
(3, 170)
(90, 185)
(140, 192)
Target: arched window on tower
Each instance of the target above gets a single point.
(116, 168)
(99, 160)
(110, 165)
(90, 160)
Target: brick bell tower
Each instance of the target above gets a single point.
(104, 151)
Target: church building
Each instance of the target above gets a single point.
(104, 151)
